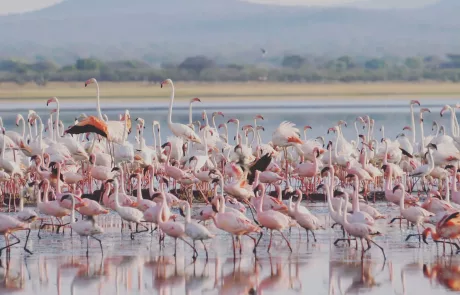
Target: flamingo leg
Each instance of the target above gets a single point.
(270, 244)
(100, 243)
(206, 250)
(383, 251)
(284, 237)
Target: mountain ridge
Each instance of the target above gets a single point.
(92, 28)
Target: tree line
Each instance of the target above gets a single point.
(289, 68)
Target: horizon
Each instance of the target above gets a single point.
(23, 6)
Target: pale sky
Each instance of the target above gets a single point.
(18, 6)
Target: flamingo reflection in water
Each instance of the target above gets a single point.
(445, 273)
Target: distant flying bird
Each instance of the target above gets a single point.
(263, 51)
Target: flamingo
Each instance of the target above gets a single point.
(128, 214)
(84, 228)
(195, 231)
(272, 220)
(360, 231)
(178, 129)
(175, 230)
(304, 217)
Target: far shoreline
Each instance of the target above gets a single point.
(132, 92)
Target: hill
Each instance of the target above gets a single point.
(117, 29)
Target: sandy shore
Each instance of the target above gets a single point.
(254, 91)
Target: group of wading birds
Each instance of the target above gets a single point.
(92, 168)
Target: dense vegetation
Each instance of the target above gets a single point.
(290, 68)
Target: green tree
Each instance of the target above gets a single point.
(375, 64)
(197, 63)
(293, 61)
(87, 64)
(414, 63)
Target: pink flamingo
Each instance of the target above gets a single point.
(142, 204)
(50, 208)
(272, 220)
(9, 225)
(175, 230)
(172, 171)
(90, 207)
(235, 224)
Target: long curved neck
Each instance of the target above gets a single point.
(297, 204)
(336, 154)
(139, 189)
(58, 180)
(357, 133)
(117, 196)
(122, 180)
(385, 157)
(50, 127)
(260, 205)
(328, 197)
(98, 106)
(344, 212)
(383, 131)
(454, 182)
(3, 147)
(401, 200)
(413, 123)
(238, 141)
(154, 137)
(190, 114)
(355, 196)
(187, 213)
(447, 189)
(72, 215)
(368, 129)
(23, 126)
(56, 124)
(226, 131)
(171, 102)
(452, 122)
(422, 134)
(152, 178)
(456, 123)
(45, 193)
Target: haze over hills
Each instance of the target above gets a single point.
(117, 29)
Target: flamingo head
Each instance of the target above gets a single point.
(167, 144)
(412, 102)
(53, 111)
(166, 82)
(196, 99)
(52, 99)
(259, 127)
(247, 127)
(432, 146)
(233, 120)
(363, 137)
(407, 128)
(329, 145)
(221, 126)
(425, 110)
(258, 116)
(19, 117)
(90, 81)
(444, 109)
(342, 122)
(307, 127)
(333, 129)
(360, 119)
(218, 114)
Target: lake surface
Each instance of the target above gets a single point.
(321, 115)
(59, 265)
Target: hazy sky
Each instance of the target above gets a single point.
(15, 6)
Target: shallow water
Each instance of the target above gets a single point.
(321, 114)
(59, 265)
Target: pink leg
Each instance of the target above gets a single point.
(270, 244)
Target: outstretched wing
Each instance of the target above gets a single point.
(260, 165)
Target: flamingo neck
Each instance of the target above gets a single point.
(355, 196)
(23, 127)
(447, 189)
(190, 114)
(151, 180)
(117, 196)
(72, 215)
(139, 189)
(56, 124)
(171, 102)
(187, 213)
(344, 212)
(413, 123)
(98, 103)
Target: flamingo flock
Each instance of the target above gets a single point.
(239, 185)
